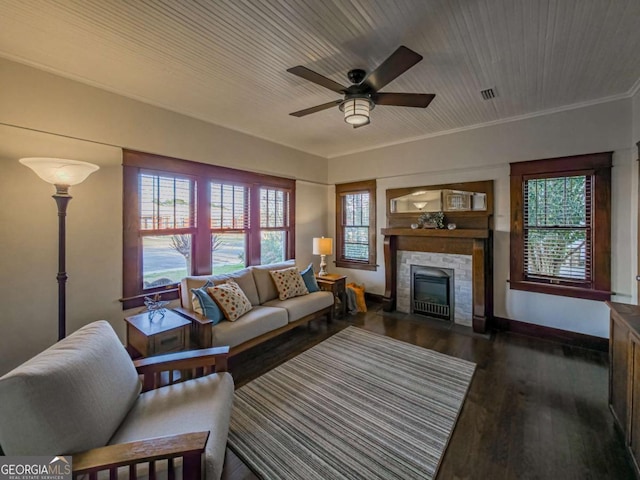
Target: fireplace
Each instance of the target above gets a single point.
(466, 249)
(432, 292)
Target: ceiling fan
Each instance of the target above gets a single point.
(363, 95)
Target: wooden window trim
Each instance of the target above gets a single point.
(289, 219)
(365, 186)
(134, 162)
(598, 166)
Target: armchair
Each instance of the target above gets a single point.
(159, 416)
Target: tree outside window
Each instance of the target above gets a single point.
(560, 226)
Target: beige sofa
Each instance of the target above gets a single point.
(268, 317)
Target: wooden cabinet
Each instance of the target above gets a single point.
(624, 374)
(634, 399)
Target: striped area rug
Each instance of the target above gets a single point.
(357, 406)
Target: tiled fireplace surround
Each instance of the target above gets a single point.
(466, 251)
(462, 281)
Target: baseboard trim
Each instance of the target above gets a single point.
(552, 334)
(373, 297)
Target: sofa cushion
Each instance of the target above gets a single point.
(231, 300)
(289, 283)
(264, 283)
(192, 406)
(299, 307)
(244, 278)
(258, 321)
(69, 398)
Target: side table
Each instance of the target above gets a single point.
(336, 284)
(166, 334)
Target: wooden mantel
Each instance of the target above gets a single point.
(474, 242)
(435, 232)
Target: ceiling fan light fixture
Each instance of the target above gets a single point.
(356, 110)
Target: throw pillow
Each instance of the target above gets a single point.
(289, 283)
(231, 299)
(359, 291)
(309, 278)
(204, 305)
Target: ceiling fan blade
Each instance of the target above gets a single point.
(398, 62)
(420, 100)
(316, 78)
(317, 108)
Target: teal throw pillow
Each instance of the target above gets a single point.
(310, 279)
(209, 308)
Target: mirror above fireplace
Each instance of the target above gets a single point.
(444, 200)
(468, 204)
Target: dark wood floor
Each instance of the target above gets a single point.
(535, 409)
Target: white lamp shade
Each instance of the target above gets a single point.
(322, 246)
(60, 171)
(356, 111)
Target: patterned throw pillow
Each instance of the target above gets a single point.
(231, 299)
(289, 283)
(309, 277)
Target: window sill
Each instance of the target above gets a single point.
(562, 290)
(356, 265)
(169, 292)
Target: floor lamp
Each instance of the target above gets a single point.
(62, 173)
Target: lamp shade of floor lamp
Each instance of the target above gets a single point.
(323, 246)
(62, 173)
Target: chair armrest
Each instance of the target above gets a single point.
(187, 445)
(192, 363)
(193, 316)
(183, 360)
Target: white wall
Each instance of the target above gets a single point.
(484, 154)
(311, 220)
(47, 115)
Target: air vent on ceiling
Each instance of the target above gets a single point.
(488, 94)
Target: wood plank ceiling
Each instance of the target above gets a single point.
(225, 61)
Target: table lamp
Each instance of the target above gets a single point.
(323, 246)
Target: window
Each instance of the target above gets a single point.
(229, 226)
(186, 218)
(560, 226)
(167, 223)
(356, 225)
(274, 224)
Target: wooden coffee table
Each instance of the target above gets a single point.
(146, 337)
